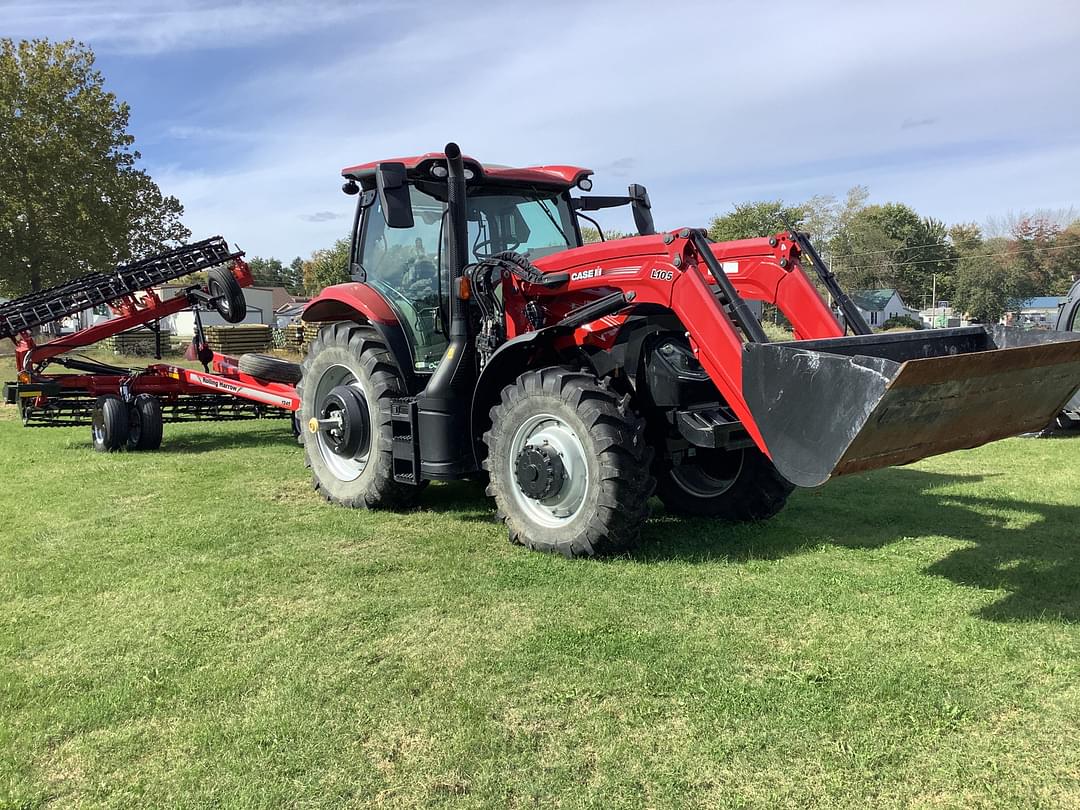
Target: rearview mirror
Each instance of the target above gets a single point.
(394, 197)
(642, 208)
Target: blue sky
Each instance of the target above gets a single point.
(247, 111)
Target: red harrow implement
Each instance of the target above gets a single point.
(127, 407)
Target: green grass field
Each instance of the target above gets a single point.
(195, 627)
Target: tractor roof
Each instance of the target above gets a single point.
(554, 176)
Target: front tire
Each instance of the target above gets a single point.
(568, 464)
(353, 468)
(736, 485)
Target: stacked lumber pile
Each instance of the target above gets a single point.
(136, 342)
(239, 338)
(299, 334)
(294, 336)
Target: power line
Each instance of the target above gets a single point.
(891, 250)
(904, 247)
(959, 258)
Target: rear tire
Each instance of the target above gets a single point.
(736, 485)
(347, 354)
(145, 423)
(109, 424)
(568, 464)
(270, 368)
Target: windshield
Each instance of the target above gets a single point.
(533, 223)
(408, 265)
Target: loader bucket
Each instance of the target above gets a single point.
(842, 405)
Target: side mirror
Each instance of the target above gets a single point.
(642, 208)
(394, 195)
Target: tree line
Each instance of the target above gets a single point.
(985, 274)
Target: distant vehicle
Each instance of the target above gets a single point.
(1068, 320)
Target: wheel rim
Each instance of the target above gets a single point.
(554, 435)
(223, 304)
(343, 468)
(710, 473)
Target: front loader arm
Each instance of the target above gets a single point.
(671, 270)
(715, 342)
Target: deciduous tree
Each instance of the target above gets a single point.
(754, 219)
(72, 198)
(590, 235)
(327, 267)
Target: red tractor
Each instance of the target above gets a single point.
(481, 338)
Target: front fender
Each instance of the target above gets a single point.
(355, 301)
(531, 350)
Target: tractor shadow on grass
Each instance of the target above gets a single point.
(464, 500)
(188, 439)
(193, 440)
(1028, 548)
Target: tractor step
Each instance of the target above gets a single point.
(406, 441)
(712, 426)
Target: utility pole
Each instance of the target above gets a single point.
(933, 297)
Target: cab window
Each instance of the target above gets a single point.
(403, 264)
(533, 224)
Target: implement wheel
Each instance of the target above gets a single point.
(737, 485)
(228, 295)
(348, 381)
(109, 424)
(270, 368)
(145, 423)
(568, 464)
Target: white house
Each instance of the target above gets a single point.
(1036, 313)
(877, 306)
(942, 316)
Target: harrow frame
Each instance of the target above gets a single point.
(220, 392)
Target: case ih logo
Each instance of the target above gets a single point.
(581, 275)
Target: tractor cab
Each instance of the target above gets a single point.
(401, 236)
(400, 244)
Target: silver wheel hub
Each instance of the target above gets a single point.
(327, 440)
(548, 470)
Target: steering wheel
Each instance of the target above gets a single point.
(478, 247)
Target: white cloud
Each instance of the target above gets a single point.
(962, 109)
(151, 27)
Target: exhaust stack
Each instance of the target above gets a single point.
(443, 405)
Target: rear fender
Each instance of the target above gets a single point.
(355, 301)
